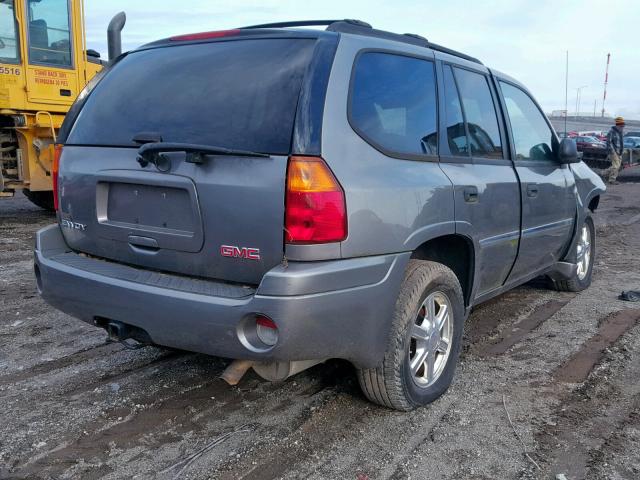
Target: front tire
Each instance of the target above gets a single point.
(585, 251)
(424, 343)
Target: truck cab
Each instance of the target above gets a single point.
(44, 64)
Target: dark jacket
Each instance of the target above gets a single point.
(615, 140)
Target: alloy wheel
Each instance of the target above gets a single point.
(583, 251)
(431, 339)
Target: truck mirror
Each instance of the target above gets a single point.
(568, 152)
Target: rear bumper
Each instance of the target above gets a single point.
(329, 309)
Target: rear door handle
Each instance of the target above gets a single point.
(471, 194)
(532, 189)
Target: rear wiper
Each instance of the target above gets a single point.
(152, 153)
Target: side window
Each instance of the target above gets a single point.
(393, 103)
(532, 136)
(9, 49)
(480, 113)
(49, 32)
(456, 133)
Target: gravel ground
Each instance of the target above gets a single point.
(565, 366)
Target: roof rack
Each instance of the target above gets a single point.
(358, 27)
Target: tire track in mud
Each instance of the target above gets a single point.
(487, 319)
(343, 421)
(397, 469)
(518, 331)
(582, 427)
(80, 356)
(591, 414)
(497, 326)
(309, 437)
(152, 420)
(129, 369)
(327, 409)
(146, 420)
(578, 367)
(611, 454)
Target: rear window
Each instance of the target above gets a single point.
(239, 94)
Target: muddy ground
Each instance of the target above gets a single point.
(566, 367)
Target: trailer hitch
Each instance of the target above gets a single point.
(131, 338)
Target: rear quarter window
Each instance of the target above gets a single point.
(393, 103)
(239, 94)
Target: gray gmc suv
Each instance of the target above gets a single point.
(283, 196)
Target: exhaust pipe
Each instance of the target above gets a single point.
(235, 371)
(129, 336)
(117, 331)
(270, 371)
(114, 38)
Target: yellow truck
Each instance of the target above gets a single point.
(44, 64)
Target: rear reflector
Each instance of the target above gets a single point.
(204, 35)
(55, 169)
(315, 210)
(266, 330)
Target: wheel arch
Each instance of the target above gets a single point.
(457, 253)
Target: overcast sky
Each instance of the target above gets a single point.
(525, 39)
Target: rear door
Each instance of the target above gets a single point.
(487, 198)
(547, 187)
(221, 218)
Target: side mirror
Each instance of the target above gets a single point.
(568, 151)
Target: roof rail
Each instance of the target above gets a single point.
(358, 27)
(412, 38)
(455, 53)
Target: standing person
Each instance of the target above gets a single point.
(615, 147)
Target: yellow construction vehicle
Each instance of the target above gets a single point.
(44, 64)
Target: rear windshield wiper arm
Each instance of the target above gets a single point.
(150, 152)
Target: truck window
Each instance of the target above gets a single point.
(393, 103)
(480, 114)
(532, 136)
(456, 133)
(9, 50)
(49, 32)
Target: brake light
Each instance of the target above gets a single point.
(204, 35)
(315, 209)
(55, 169)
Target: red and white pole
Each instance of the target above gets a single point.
(606, 80)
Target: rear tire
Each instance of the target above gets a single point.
(41, 199)
(427, 322)
(585, 249)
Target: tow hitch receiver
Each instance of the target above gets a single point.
(132, 338)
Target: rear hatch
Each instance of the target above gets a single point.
(201, 214)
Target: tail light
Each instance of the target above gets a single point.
(315, 203)
(55, 168)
